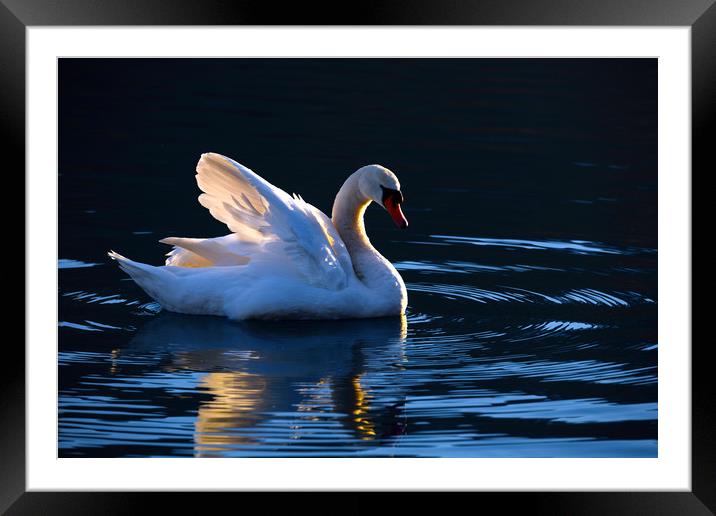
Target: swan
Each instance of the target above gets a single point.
(284, 258)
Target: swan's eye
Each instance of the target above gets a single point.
(395, 195)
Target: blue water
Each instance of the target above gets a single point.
(530, 260)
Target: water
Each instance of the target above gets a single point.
(530, 260)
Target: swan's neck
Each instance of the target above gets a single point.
(348, 210)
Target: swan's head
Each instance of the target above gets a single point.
(381, 186)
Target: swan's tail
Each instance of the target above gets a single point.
(134, 269)
(148, 277)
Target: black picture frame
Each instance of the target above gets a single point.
(700, 15)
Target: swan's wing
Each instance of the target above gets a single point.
(337, 246)
(231, 196)
(257, 211)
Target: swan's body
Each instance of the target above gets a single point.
(284, 259)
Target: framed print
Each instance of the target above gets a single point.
(526, 327)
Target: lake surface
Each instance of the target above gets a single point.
(530, 260)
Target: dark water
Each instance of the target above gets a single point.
(530, 261)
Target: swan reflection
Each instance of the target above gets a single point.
(294, 378)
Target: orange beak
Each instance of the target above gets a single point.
(396, 213)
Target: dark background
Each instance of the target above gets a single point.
(531, 140)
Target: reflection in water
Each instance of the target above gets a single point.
(248, 365)
(363, 423)
(236, 397)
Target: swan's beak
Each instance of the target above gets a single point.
(395, 212)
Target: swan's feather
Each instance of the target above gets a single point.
(259, 212)
(214, 250)
(180, 257)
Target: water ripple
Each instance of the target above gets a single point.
(142, 308)
(466, 292)
(572, 246)
(458, 267)
(90, 297)
(74, 264)
(574, 411)
(77, 326)
(525, 406)
(587, 371)
(519, 295)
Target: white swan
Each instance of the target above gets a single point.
(284, 259)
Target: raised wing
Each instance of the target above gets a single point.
(258, 212)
